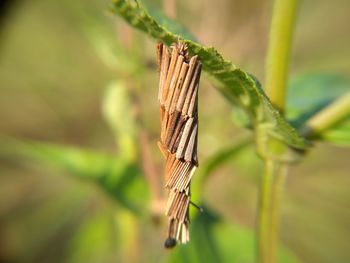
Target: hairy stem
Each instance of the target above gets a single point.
(327, 117)
(278, 55)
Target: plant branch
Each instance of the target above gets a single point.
(278, 55)
(327, 117)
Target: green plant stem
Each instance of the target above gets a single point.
(264, 222)
(327, 117)
(269, 210)
(278, 55)
(280, 174)
(277, 65)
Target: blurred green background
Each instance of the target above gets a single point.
(83, 83)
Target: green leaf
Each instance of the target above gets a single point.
(120, 179)
(214, 239)
(238, 86)
(309, 94)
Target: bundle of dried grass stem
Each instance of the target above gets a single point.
(178, 98)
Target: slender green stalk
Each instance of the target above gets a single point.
(280, 172)
(269, 210)
(277, 65)
(278, 56)
(264, 214)
(327, 117)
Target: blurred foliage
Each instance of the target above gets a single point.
(308, 94)
(118, 112)
(117, 177)
(212, 238)
(215, 240)
(68, 204)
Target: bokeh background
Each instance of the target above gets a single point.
(66, 70)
